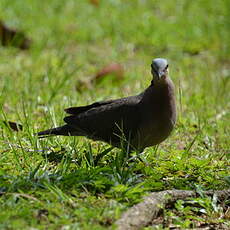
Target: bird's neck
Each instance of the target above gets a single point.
(161, 93)
(163, 81)
(162, 84)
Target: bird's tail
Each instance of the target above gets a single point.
(64, 130)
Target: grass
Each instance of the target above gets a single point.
(74, 183)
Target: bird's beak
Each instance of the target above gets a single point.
(160, 74)
(157, 73)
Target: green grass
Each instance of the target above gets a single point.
(60, 183)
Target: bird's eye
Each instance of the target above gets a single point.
(166, 66)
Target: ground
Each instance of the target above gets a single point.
(75, 183)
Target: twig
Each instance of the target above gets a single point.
(143, 213)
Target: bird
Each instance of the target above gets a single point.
(138, 121)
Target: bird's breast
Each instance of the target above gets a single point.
(153, 133)
(158, 119)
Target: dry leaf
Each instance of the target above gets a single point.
(114, 69)
(13, 125)
(94, 2)
(13, 37)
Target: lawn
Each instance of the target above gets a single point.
(75, 183)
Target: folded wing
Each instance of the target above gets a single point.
(106, 121)
(81, 109)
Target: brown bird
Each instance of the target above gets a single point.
(140, 121)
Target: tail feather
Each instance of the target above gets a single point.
(64, 130)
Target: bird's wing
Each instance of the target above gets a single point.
(108, 121)
(81, 109)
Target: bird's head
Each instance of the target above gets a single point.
(159, 69)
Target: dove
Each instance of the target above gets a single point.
(140, 121)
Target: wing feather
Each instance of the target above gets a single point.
(81, 109)
(108, 120)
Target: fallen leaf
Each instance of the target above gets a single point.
(114, 69)
(94, 2)
(13, 37)
(13, 125)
